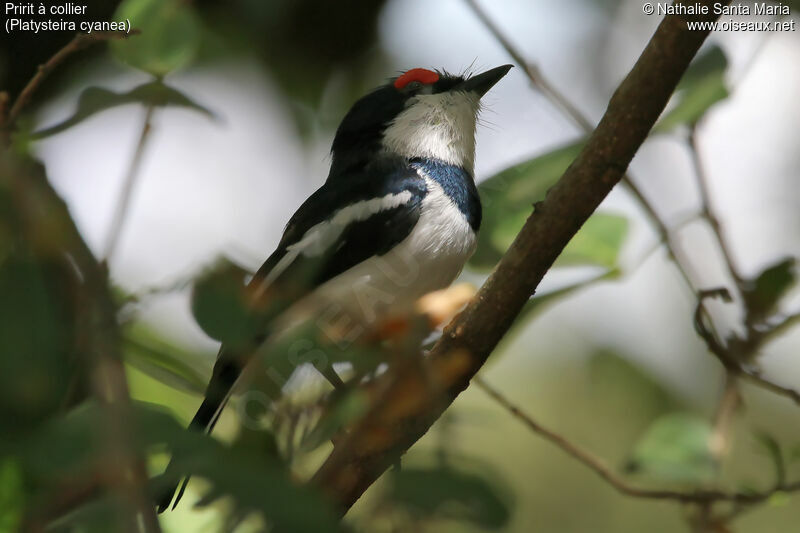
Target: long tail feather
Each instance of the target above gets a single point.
(217, 394)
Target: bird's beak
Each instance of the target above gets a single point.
(481, 83)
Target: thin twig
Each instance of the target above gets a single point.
(756, 379)
(707, 210)
(81, 41)
(783, 326)
(121, 212)
(560, 101)
(732, 364)
(601, 469)
(533, 72)
(729, 402)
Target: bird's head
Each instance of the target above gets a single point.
(419, 114)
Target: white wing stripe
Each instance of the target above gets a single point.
(320, 236)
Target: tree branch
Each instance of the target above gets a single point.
(619, 483)
(725, 356)
(561, 102)
(80, 42)
(405, 410)
(121, 212)
(706, 209)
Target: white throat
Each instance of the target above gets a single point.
(438, 126)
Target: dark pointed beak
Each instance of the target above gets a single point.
(481, 83)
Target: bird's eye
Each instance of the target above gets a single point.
(413, 85)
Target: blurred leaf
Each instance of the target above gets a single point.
(322, 69)
(779, 499)
(507, 198)
(762, 295)
(450, 493)
(161, 360)
(257, 482)
(70, 448)
(540, 301)
(701, 87)
(12, 495)
(99, 515)
(346, 410)
(60, 448)
(220, 305)
(772, 449)
(597, 243)
(675, 448)
(35, 341)
(619, 381)
(170, 38)
(794, 453)
(94, 100)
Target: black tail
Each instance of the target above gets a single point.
(224, 376)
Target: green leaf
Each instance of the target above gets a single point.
(342, 413)
(12, 495)
(221, 307)
(94, 100)
(794, 453)
(170, 35)
(161, 360)
(450, 493)
(507, 199)
(702, 86)
(762, 294)
(540, 301)
(675, 448)
(36, 331)
(598, 242)
(256, 482)
(772, 449)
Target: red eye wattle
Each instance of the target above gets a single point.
(424, 76)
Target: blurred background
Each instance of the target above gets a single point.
(264, 85)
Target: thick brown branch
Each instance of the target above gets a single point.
(406, 410)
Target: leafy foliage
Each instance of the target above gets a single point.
(508, 198)
(220, 305)
(702, 86)
(170, 364)
(676, 449)
(772, 449)
(257, 482)
(170, 38)
(94, 100)
(763, 294)
(447, 492)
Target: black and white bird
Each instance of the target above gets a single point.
(396, 218)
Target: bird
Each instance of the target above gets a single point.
(396, 218)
